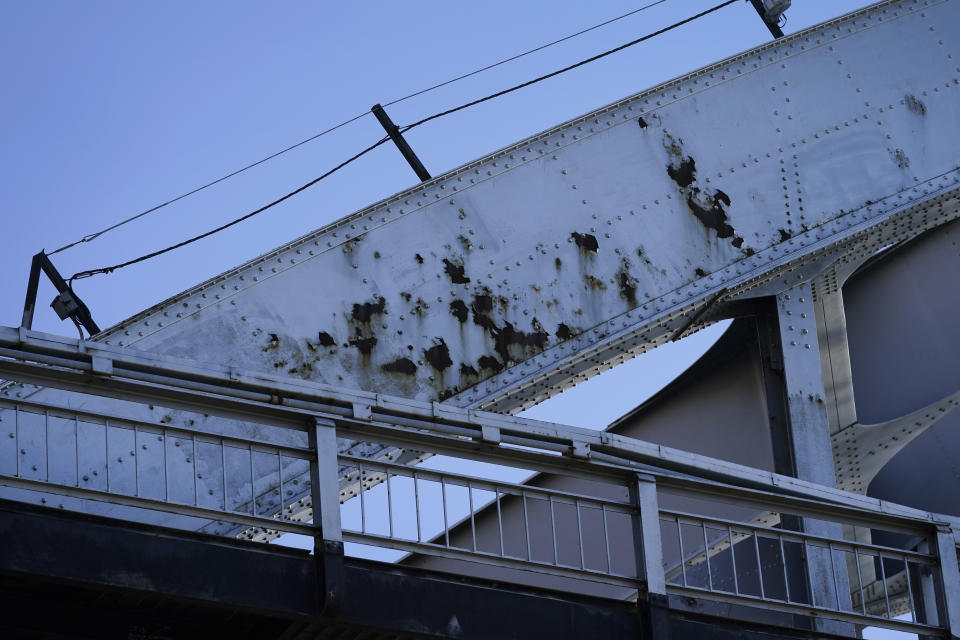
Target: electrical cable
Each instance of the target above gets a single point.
(93, 236)
(568, 68)
(111, 269)
(525, 53)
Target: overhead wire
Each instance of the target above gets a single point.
(571, 67)
(93, 236)
(526, 53)
(103, 270)
(111, 269)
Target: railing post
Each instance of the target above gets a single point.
(950, 574)
(325, 495)
(646, 533)
(649, 554)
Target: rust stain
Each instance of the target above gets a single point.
(364, 312)
(585, 241)
(418, 258)
(458, 309)
(710, 210)
(563, 332)
(915, 104)
(490, 363)
(438, 355)
(400, 365)
(324, 339)
(364, 344)
(593, 282)
(455, 271)
(626, 283)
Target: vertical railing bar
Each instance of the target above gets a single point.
(833, 572)
(223, 471)
(863, 600)
(76, 446)
(503, 553)
(46, 443)
(473, 523)
(16, 440)
(253, 488)
(733, 560)
(193, 469)
(526, 524)
(583, 560)
(883, 577)
(683, 562)
(416, 499)
(756, 548)
(906, 570)
(553, 531)
(136, 461)
(783, 559)
(706, 556)
(280, 481)
(363, 509)
(389, 504)
(106, 445)
(606, 538)
(806, 558)
(166, 467)
(443, 496)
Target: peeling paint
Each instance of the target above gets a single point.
(627, 284)
(326, 340)
(585, 241)
(467, 371)
(401, 365)
(643, 123)
(364, 312)
(784, 235)
(455, 271)
(364, 344)
(700, 273)
(490, 363)
(438, 355)
(418, 258)
(708, 209)
(563, 332)
(458, 309)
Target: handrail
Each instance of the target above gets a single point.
(256, 491)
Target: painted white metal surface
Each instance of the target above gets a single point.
(594, 241)
(503, 282)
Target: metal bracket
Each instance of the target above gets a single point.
(394, 132)
(774, 28)
(67, 304)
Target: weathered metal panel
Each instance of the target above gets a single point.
(533, 260)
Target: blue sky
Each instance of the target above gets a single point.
(111, 107)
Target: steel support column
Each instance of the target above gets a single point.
(810, 434)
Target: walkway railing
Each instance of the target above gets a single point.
(160, 440)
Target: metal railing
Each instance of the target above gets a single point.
(440, 512)
(616, 530)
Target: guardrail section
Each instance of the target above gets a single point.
(463, 517)
(600, 513)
